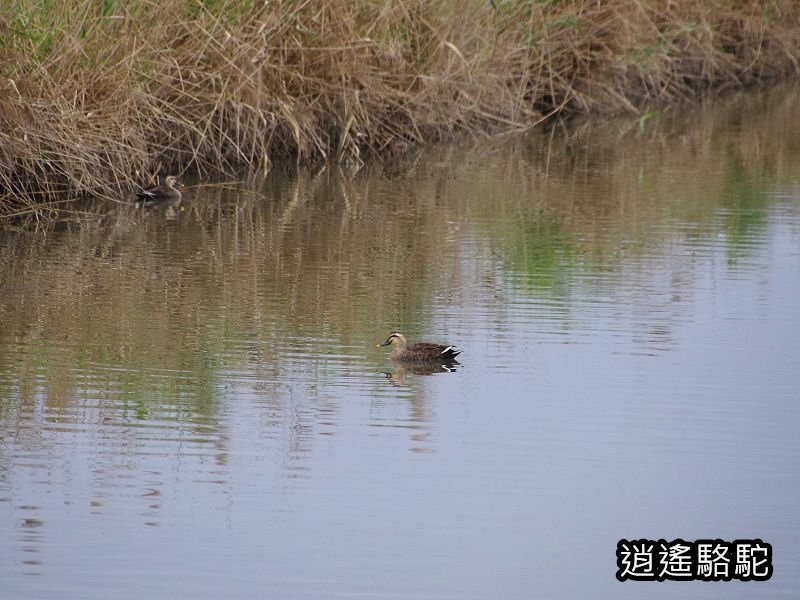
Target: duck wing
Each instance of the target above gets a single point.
(430, 350)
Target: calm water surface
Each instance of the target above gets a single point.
(192, 404)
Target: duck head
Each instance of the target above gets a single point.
(395, 339)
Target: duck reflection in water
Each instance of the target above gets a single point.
(402, 369)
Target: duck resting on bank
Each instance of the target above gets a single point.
(166, 192)
(419, 352)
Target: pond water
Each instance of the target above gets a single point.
(192, 403)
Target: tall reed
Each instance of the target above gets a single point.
(97, 97)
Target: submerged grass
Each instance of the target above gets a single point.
(96, 97)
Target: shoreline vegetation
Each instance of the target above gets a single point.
(97, 98)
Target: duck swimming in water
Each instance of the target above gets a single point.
(419, 352)
(166, 192)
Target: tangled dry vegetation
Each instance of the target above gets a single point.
(98, 96)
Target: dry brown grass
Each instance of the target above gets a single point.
(96, 98)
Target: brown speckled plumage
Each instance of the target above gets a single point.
(166, 192)
(421, 351)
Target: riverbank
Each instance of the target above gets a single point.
(97, 98)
